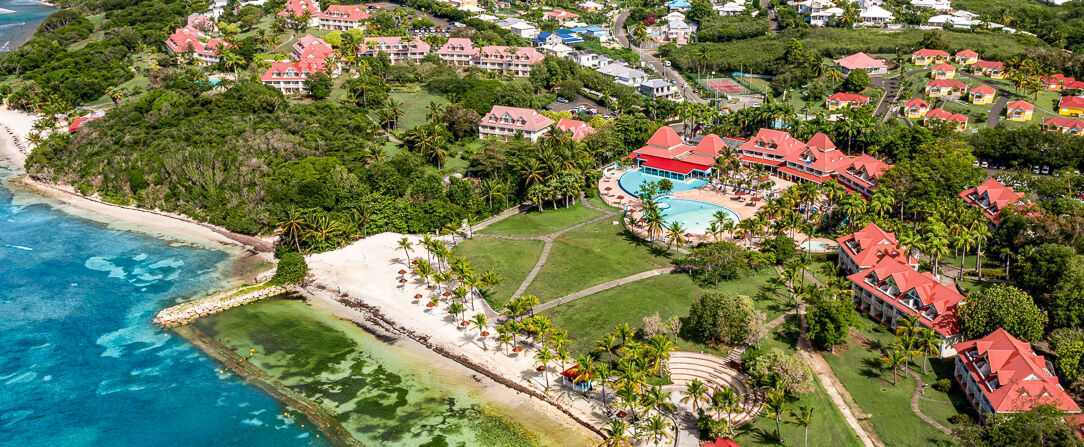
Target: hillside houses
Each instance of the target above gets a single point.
(192, 42)
(343, 17)
(399, 49)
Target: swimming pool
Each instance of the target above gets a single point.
(815, 246)
(694, 215)
(631, 181)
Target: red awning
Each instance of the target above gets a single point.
(670, 165)
(763, 161)
(804, 175)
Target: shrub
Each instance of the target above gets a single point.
(292, 269)
(709, 428)
(944, 385)
(959, 418)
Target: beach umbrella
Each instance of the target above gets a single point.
(465, 324)
(403, 281)
(430, 304)
(447, 293)
(402, 272)
(485, 333)
(688, 235)
(740, 193)
(755, 199)
(541, 368)
(517, 349)
(418, 296)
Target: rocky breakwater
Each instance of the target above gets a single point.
(190, 311)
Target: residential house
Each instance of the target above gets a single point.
(916, 108)
(567, 38)
(936, 116)
(578, 129)
(1057, 82)
(945, 87)
(1071, 105)
(812, 6)
(937, 5)
(943, 71)
(860, 174)
(965, 57)
(559, 15)
(672, 29)
(864, 248)
(875, 16)
(343, 17)
(927, 56)
(1070, 126)
(667, 155)
(504, 122)
(993, 69)
(731, 8)
(516, 61)
(400, 50)
(991, 197)
(598, 32)
(943, 20)
(861, 61)
(1001, 374)
(982, 94)
(298, 8)
(192, 42)
(558, 49)
(624, 75)
(466, 5)
(678, 5)
(289, 77)
(458, 51)
(1019, 111)
(524, 29)
(592, 6)
(824, 16)
(658, 89)
(845, 100)
(891, 289)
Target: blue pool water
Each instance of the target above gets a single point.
(631, 181)
(213, 80)
(81, 364)
(815, 246)
(695, 215)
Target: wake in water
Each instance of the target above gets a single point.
(6, 11)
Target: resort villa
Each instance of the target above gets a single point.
(310, 48)
(982, 94)
(504, 122)
(945, 87)
(343, 17)
(192, 42)
(993, 69)
(860, 174)
(991, 197)
(845, 100)
(672, 28)
(943, 71)
(1071, 126)
(937, 116)
(298, 8)
(516, 61)
(399, 49)
(1071, 106)
(817, 160)
(658, 88)
(1057, 82)
(1002, 374)
(861, 61)
(927, 56)
(560, 15)
(916, 108)
(289, 77)
(864, 248)
(965, 57)
(892, 288)
(1019, 111)
(458, 51)
(667, 155)
(578, 129)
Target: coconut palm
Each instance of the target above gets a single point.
(480, 322)
(657, 429)
(424, 270)
(585, 370)
(937, 248)
(895, 359)
(543, 357)
(659, 349)
(980, 232)
(775, 408)
(626, 333)
(802, 418)
(907, 326)
(728, 401)
(929, 344)
(616, 434)
(695, 393)
(676, 233)
(654, 223)
(405, 244)
(294, 227)
(456, 309)
(607, 344)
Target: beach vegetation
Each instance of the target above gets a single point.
(291, 269)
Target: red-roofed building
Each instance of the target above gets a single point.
(861, 173)
(516, 61)
(309, 48)
(504, 122)
(667, 155)
(864, 248)
(1071, 106)
(916, 108)
(891, 289)
(399, 49)
(937, 116)
(1071, 126)
(1077, 86)
(298, 8)
(945, 87)
(769, 147)
(965, 57)
(982, 94)
(1057, 82)
(992, 69)
(571, 378)
(78, 123)
(577, 128)
(844, 100)
(192, 42)
(927, 56)
(861, 61)
(343, 17)
(1019, 111)
(289, 77)
(1002, 374)
(560, 15)
(817, 160)
(943, 71)
(458, 51)
(720, 442)
(991, 197)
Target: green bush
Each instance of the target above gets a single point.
(709, 428)
(944, 385)
(959, 418)
(292, 269)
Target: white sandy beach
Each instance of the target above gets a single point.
(14, 128)
(368, 270)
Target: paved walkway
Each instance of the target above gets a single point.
(601, 287)
(914, 404)
(1002, 100)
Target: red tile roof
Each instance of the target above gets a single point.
(1075, 102)
(937, 303)
(579, 129)
(917, 102)
(1010, 375)
(665, 137)
(525, 55)
(1021, 105)
(458, 45)
(848, 97)
(191, 39)
(374, 45)
(990, 65)
(763, 161)
(866, 247)
(966, 53)
(1057, 79)
(991, 197)
(946, 115)
(297, 8)
(291, 71)
(771, 141)
(671, 165)
(522, 119)
(945, 68)
(710, 145)
(983, 89)
(1073, 85)
(858, 61)
(821, 141)
(863, 165)
(720, 442)
(1064, 123)
(805, 175)
(345, 12)
(951, 83)
(926, 52)
(561, 14)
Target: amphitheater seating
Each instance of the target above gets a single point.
(714, 372)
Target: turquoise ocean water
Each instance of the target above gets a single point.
(18, 20)
(81, 364)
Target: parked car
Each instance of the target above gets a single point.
(562, 100)
(666, 63)
(1046, 170)
(985, 164)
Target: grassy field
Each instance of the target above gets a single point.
(827, 429)
(592, 255)
(415, 107)
(534, 223)
(513, 260)
(588, 318)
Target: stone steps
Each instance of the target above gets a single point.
(714, 372)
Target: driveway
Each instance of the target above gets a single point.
(1003, 99)
(669, 73)
(561, 107)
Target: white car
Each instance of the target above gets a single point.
(666, 63)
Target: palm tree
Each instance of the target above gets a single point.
(657, 428)
(615, 434)
(676, 232)
(424, 270)
(660, 348)
(929, 344)
(654, 223)
(936, 247)
(775, 408)
(603, 371)
(543, 357)
(980, 232)
(907, 326)
(894, 358)
(479, 322)
(727, 400)
(802, 418)
(695, 393)
(405, 244)
(294, 227)
(607, 344)
(456, 309)
(626, 333)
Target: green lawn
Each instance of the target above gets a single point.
(828, 427)
(888, 406)
(513, 260)
(597, 202)
(592, 255)
(535, 223)
(415, 107)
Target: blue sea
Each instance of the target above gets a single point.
(18, 20)
(81, 364)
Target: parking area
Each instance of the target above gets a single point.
(578, 103)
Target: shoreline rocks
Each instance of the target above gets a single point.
(185, 313)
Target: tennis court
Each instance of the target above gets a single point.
(724, 86)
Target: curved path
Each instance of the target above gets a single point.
(914, 404)
(600, 287)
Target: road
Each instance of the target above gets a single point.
(683, 86)
(999, 106)
(772, 19)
